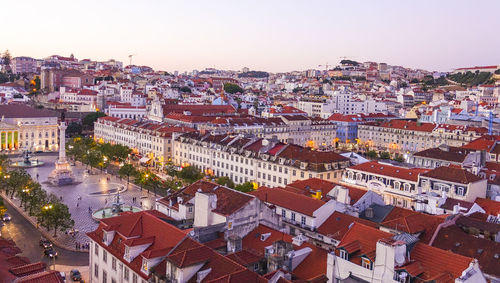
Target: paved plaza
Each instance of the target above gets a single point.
(94, 191)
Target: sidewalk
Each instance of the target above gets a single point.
(32, 219)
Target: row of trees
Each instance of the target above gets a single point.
(372, 154)
(48, 209)
(96, 155)
(226, 181)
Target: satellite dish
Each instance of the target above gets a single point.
(191, 233)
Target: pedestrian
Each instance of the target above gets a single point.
(77, 204)
(60, 198)
(141, 203)
(105, 201)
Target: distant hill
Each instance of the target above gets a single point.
(253, 74)
(470, 78)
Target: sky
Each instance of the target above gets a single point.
(267, 35)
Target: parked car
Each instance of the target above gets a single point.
(6, 217)
(63, 276)
(75, 275)
(50, 252)
(45, 243)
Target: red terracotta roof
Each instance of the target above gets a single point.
(228, 200)
(455, 240)
(412, 222)
(491, 207)
(366, 236)
(438, 263)
(49, 276)
(338, 224)
(289, 200)
(452, 174)
(312, 184)
(410, 174)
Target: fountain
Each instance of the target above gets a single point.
(116, 208)
(27, 162)
(62, 175)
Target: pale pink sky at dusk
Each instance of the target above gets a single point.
(262, 35)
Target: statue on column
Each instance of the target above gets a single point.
(62, 175)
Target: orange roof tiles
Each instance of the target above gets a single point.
(410, 174)
(452, 174)
(289, 200)
(338, 223)
(490, 206)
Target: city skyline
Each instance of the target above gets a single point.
(276, 37)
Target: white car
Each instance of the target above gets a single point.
(6, 217)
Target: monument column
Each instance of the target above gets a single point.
(62, 141)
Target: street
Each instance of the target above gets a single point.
(27, 239)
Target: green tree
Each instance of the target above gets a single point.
(127, 170)
(385, 155)
(372, 154)
(94, 158)
(399, 158)
(225, 181)
(171, 169)
(4, 161)
(190, 174)
(232, 88)
(36, 197)
(6, 58)
(120, 152)
(185, 89)
(3, 208)
(89, 120)
(55, 215)
(16, 181)
(74, 128)
(245, 187)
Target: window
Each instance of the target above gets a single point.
(96, 271)
(293, 216)
(283, 213)
(303, 220)
(126, 273)
(113, 263)
(104, 277)
(397, 185)
(344, 255)
(96, 249)
(461, 191)
(366, 263)
(407, 187)
(104, 256)
(113, 280)
(134, 278)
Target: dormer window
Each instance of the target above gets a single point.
(407, 187)
(145, 266)
(397, 185)
(366, 263)
(344, 254)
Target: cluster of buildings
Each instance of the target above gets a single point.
(320, 211)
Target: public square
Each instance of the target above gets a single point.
(90, 193)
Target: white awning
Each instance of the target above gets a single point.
(144, 159)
